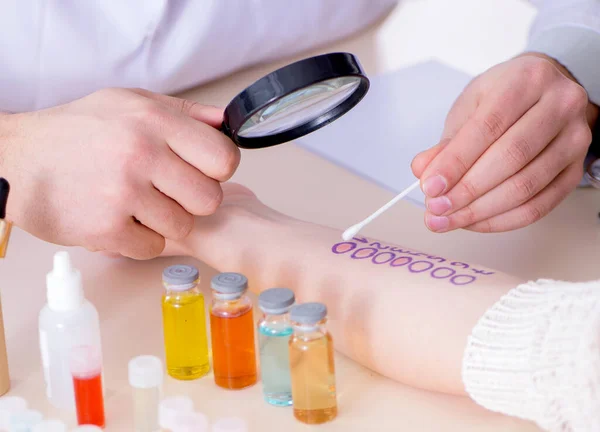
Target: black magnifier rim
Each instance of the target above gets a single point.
(290, 79)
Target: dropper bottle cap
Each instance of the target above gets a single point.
(5, 226)
(64, 287)
(230, 424)
(4, 191)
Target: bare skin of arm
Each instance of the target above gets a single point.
(404, 314)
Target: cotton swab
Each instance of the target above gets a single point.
(354, 229)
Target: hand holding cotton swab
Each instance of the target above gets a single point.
(354, 229)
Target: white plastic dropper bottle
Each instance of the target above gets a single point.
(68, 320)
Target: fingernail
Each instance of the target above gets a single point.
(437, 223)
(438, 206)
(434, 186)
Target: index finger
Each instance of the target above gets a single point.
(497, 112)
(208, 114)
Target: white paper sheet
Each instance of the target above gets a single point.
(402, 114)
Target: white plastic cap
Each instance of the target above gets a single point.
(50, 425)
(88, 428)
(24, 420)
(64, 288)
(170, 407)
(230, 424)
(145, 372)
(190, 422)
(8, 406)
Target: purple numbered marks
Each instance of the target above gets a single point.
(380, 254)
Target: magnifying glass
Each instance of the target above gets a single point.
(592, 173)
(295, 100)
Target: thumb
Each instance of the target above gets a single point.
(462, 109)
(210, 115)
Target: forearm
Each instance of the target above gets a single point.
(403, 314)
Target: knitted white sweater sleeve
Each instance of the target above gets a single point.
(535, 354)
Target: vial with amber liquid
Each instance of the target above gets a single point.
(312, 365)
(184, 323)
(232, 332)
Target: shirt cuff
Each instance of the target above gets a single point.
(577, 49)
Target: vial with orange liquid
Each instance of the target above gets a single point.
(184, 323)
(86, 369)
(232, 332)
(312, 365)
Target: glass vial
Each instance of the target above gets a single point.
(172, 407)
(184, 323)
(312, 365)
(86, 369)
(146, 378)
(274, 331)
(232, 332)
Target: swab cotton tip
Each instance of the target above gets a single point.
(354, 229)
(351, 232)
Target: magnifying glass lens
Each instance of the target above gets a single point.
(593, 173)
(299, 107)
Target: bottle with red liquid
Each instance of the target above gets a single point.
(86, 369)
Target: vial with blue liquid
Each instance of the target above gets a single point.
(275, 330)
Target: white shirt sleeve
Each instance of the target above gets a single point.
(535, 354)
(61, 50)
(569, 31)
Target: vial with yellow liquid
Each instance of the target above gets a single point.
(184, 323)
(312, 365)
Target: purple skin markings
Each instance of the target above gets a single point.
(379, 245)
(425, 266)
(378, 260)
(342, 248)
(438, 273)
(482, 272)
(399, 263)
(406, 251)
(358, 254)
(413, 264)
(436, 258)
(469, 279)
